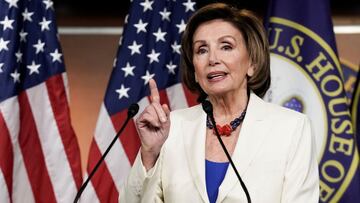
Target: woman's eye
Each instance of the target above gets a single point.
(226, 47)
(201, 51)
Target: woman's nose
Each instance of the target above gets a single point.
(213, 60)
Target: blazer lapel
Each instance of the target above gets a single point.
(251, 137)
(194, 132)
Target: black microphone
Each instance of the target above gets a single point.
(207, 107)
(132, 111)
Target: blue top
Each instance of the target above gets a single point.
(214, 173)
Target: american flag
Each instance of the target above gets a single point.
(150, 48)
(39, 153)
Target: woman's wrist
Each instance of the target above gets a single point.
(149, 157)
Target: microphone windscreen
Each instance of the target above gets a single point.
(133, 109)
(207, 107)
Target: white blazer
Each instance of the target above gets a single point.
(275, 156)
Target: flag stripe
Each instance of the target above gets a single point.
(102, 180)
(103, 137)
(129, 140)
(190, 97)
(60, 107)
(52, 146)
(66, 85)
(6, 159)
(177, 97)
(164, 98)
(22, 191)
(33, 155)
(89, 194)
(4, 194)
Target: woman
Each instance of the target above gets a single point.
(226, 60)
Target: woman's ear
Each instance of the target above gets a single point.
(196, 80)
(251, 71)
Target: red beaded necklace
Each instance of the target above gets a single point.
(226, 129)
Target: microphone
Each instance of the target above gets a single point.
(132, 111)
(207, 107)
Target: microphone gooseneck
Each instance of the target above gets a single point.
(132, 111)
(207, 107)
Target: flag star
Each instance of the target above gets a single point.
(45, 24)
(114, 63)
(176, 47)
(18, 55)
(34, 68)
(16, 76)
(153, 56)
(56, 56)
(171, 67)
(189, 5)
(7, 23)
(128, 69)
(3, 44)
(12, 3)
(126, 19)
(135, 48)
(27, 15)
(23, 35)
(140, 26)
(159, 35)
(48, 4)
(123, 92)
(120, 40)
(165, 15)
(147, 77)
(39, 46)
(181, 26)
(147, 5)
(1, 65)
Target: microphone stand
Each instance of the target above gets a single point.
(133, 109)
(207, 106)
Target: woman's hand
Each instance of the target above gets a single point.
(153, 125)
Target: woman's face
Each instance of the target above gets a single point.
(220, 58)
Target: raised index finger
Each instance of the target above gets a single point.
(154, 93)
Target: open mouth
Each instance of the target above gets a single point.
(216, 75)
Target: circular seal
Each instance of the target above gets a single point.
(306, 77)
